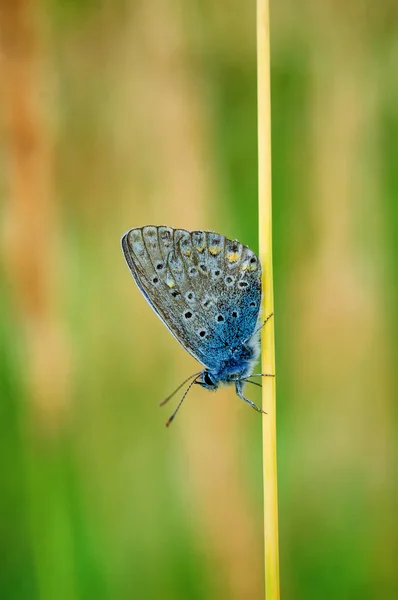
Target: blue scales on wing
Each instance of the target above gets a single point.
(204, 287)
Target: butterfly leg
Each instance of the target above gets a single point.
(259, 375)
(258, 328)
(239, 392)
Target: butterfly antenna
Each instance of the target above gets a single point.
(258, 328)
(179, 387)
(181, 401)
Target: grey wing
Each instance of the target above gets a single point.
(231, 295)
(204, 287)
(154, 257)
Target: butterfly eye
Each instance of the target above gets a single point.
(207, 379)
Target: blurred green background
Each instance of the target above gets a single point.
(129, 112)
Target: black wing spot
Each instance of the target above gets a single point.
(188, 314)
(243, 284)
(229, 280)
(220, 318)
(253, 259)
(203, 268)
(235, 314)
(252, 304)
(202, 333)
(159, 266)
(175, 293)
(193, 271)
(155, 280)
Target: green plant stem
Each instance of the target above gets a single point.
(268, 337)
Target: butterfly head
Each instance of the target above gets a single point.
(228, 373)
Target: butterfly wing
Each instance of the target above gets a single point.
(204, 287)
(234, 290)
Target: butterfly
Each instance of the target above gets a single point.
(206, 289)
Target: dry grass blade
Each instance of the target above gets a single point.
(268, 342)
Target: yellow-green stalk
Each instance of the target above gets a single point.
(268, 338)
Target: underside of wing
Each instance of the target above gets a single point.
(204, 287)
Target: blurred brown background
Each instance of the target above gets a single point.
(125, 113)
